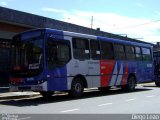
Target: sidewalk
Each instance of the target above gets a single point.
(5, 94)
(146, 84)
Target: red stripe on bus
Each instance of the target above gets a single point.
(106, 69)
(16, 80)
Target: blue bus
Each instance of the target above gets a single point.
(156, 57)
(49, 60)
(5, 57)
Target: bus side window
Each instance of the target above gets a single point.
(81, 48)
(146, 54)
(95, 50)
(130, 52)
(51, 55)
(107, 50)
(63, 54)
(119, 52)
(57, 54)
(138, 53)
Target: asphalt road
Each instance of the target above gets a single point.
(142, 100)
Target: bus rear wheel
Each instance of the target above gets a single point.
(77, 88)
(157, 84)
(131, 84)
(47, 94)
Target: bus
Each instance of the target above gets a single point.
(5, 57)
(48, 60)
(156, 57)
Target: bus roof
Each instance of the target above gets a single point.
(98, 38)
(74, 34)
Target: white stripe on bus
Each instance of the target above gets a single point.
(114, 76)
(119, 79)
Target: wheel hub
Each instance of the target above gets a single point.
(78, 87)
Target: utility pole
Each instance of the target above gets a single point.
(91, 22)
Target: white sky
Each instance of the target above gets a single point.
(118, 17)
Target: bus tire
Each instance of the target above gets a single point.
(131, 84)
(157, 84)
(77, 88)
(47, 94)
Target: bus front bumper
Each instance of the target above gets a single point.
(36, 88)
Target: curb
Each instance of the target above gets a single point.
(143, 84)
(18, 96)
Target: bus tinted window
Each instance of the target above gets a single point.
(129, 52)
(81, 48)
(146, 54)
(107, 50)
(138, 53)
(129, 49)
(146, 51)
(119, 51)
(63, 53)
(95, 49)
(58, 53)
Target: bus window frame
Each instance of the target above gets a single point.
(97, 51)
(115, 52)
(144, 55)
(140, 58)
(85, 51)
(112, 50)
(62, 42)
(130, 53)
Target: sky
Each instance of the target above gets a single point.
(139, 19)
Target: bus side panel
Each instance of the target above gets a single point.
(106, 69)
(72, 71)
(119, 74)
(125, 76)
(121, 68)
(156, 56)
(145, 71)
(133, 69)
(93, 78)
(150, 72)
(77, 67)
(115, 73)
(57, 79)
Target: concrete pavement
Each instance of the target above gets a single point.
(5, 94)
(142, 100)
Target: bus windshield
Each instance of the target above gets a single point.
(28, 58)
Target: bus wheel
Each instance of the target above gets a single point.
(77, 88)
(47, 94)
(157, 84)
(131, 84)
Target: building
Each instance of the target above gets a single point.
(13, 22)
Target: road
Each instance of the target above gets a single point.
(142, 100)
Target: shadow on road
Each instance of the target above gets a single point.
(65, 97)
